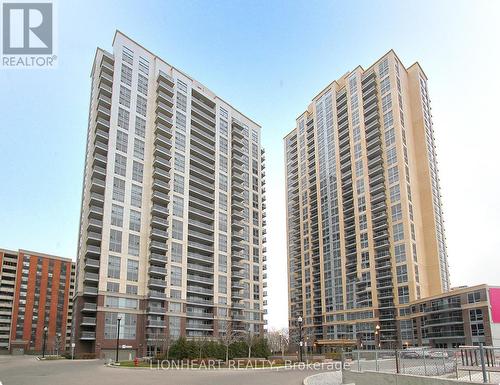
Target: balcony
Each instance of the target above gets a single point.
(156, 295)
(159, 197)
(89, 307)
(156, 310)
(90, 290)
(157, 270)
(92, 277)
(202, 268)
(93, 251)
(87, 336)
(159, 234)
(160, 258)
(161, 283)
(200, 257)
(88, 321)
(200, 225)
(161, 185)
(91, 262)
(160, 211)
(200, 278)
(150, 323)
(200, 247)
(158, 246)
(199, 290)
(159, 222)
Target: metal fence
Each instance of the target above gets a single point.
(468, 363)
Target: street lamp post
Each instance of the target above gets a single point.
(45, 330)
(58, 342)
(119, 318)
(299, 321)
(377, 336)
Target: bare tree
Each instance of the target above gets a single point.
(228, 335)
(278, 340)
(250, 340)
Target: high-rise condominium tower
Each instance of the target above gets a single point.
(173, 210)
(365, 227)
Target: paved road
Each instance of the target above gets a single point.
(28, 371)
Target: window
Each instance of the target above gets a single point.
(141, 105)
(223, 145)
(181, 102)
(223, 222)
(137, 171)
(114, 266)
(175, 276)
(223, 182)
(132, 270)
(393, 174)
(391, 156)
(474, 297)
(128, 56)
(120, 164)
(126, 77)
(143, 65)
(223, 127)
(222, 242)
(131, 289)
(397, 213)
(222, 284)
(124, 98)
(118, 189)
(388, 120)
(178, 184)
(180, 122)
(359, 168)
(134, 244)
(177, 230)
(398, 232)
(223, 163)
(113, 287)
(123, 118)
(135, 220)
(390, 137)
(128, 326)
(402, 274)
(142, 84)
(222, 263)
(115, 241)
(176, 252)
(121, 141)
(385, 85)
(116, 215)
(364, 240)
(403, 294)
(140, 127)
(136, 196)
(476, 315)
(222, 201)
(180, 141)
(395, 193)
(223, 112)
(383, 68)
(477, 329)
(179, 162)
(386, 103)
(181, 86)
(139, 149)
(178, 206)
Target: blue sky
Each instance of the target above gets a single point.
(268, 59)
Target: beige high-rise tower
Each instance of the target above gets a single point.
(364, 219)
(173, 210)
